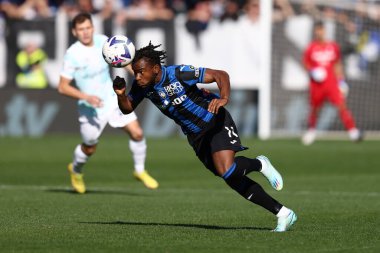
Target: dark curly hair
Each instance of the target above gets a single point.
(149, 52)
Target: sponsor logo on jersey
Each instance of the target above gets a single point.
(173, 88)
(324, 57)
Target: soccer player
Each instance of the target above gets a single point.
(322, 60)
(97, 103)
(208, 125)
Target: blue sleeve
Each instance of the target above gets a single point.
(190, 75)
(136, 95)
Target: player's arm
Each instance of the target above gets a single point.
(342, 84)
(316, 73)
(222, 79)
(65, 88)
(306, 60)
(339, 70)
(126, 102)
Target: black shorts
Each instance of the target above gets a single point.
(222, 135)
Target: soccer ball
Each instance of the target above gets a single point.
(118, 51)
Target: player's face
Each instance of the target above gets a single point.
(84, 32)
(146, 73)
(319, 33)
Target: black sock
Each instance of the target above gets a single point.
(249, 189)
(247, 164)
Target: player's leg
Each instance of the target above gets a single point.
(90, 129)
(81, 155)
(137, 145)
(336, 98)
(315, 103)
(233, 171)
(221, 144)
(234, 174)
(264, 166)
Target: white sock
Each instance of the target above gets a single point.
(264, 166)
(138, 149)
(80, 158)
(283, 212)
(353, 133)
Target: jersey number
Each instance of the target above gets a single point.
(179, 100)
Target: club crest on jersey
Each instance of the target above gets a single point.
(196, 72)
(162, 94)
(173, 88)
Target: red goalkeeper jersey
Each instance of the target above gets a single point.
(324, 55)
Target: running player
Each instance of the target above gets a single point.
(323, 61)
(97, 102)
(208, 125)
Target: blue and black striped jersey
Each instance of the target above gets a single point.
(178, 97)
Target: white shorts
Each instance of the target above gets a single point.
(92, 126)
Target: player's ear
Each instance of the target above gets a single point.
(156, 68)
(74, 32)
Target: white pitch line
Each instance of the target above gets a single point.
(126, 189)
(343, 249)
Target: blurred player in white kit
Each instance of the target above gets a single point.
(97, 102)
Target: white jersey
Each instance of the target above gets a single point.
(91, 73)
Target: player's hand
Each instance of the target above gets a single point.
(318, 74)
(94, 101)
(344, 88)
(119, 85)
(215, 104)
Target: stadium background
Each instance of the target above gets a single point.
(233, 45)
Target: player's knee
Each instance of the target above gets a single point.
(137, 135)
(226, 170)
(89, 150)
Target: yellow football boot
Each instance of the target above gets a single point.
(76, 180)
(148, 181)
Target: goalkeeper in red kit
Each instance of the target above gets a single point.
(322, 60)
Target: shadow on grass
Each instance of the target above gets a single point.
(201, 226)
(95, 191)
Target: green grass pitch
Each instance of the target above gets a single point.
(332, 185)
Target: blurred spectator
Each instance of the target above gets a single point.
(217, 8)
(178, 6)
(252, 10)
(282, 10)
(231, 11)
(86, 6)
(73, 7)
(28, 9)
(308, 7)
(198, 17)
(30, 61)
(162, 11)
(145, 10)
(55, 4)
(106, 8)
(368, 33)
